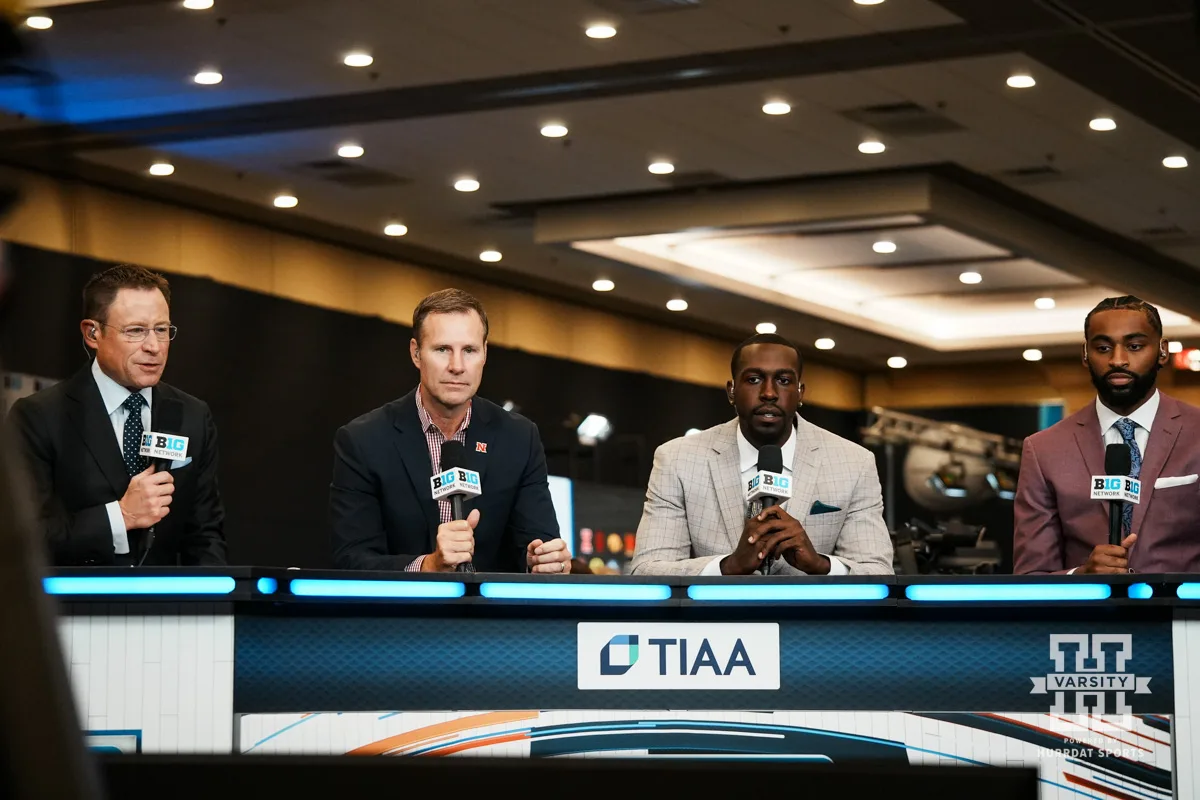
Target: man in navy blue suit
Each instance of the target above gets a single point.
(380, 502)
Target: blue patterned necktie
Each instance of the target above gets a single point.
(131, 440)
(1126, 427)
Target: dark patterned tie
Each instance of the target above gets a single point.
(1126, 427)
(131, 441)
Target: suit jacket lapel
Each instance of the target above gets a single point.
(95, 428)
(727, 481)
(1163, 436)
(804, 470)
(1091, 443)
(414, 453)
(480, 430)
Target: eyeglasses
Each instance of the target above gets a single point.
(138, 333)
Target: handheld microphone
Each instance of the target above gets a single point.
(456, 482)
(768, 486)
(162, 447)
(1116, 487)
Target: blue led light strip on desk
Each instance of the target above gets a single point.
(1007, 592)
(139, 585)
(577, 592)
(1188, 591)
(425, 590)
(767, 593)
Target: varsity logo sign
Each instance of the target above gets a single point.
(1099, 670)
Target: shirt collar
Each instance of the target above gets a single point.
(112, 393)
(748, 453)
(427, 421)
(1144, 416)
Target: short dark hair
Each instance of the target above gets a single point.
(102, 288)
(1125, 303)
(764, 338)
(447, 301)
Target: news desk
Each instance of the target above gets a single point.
(1097, 682)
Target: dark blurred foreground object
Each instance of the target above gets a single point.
(349, 777)
(42, 754)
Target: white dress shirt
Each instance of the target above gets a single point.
(748, 464)
(1143, 417)
(114, 395)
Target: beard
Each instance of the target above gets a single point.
(1128, 395)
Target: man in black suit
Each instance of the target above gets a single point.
(97, 499)
(380, 500)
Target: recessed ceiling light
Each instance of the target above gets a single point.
(1044, 303)
(600, 30)
(765, 327)
(1174, 347)
(824, 343)
(1021, 81)
(358, 59)
(884, 247)
(555, 130)
(776, 108)
(661, 167)
(871, 147)
(678, 304)
(395, 229)
(603, 285)
(1032, 354)
(490, 255)
(208, 77)
(161, 169)
(897, 362)
(286, 201)
(350, 151)
(1175, 162)
(868, 2)
(1103, 124)
(39, 22)
(466, 184)
(970, 278)
(197, 5)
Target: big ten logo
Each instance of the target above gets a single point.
(1108, 484)
(778, 481)
(445, 479)
(169, 443)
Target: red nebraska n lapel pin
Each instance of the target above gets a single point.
(481, 447)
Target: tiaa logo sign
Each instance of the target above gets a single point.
(672, 656)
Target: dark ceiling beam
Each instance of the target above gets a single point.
(847, 54)
(1139, 56)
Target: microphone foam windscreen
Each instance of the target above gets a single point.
(1118, 460)
(169, 418)
(770, 458)
(454, 455)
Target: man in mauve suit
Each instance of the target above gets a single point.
(695, 520)
(381, 506)
(1057, 527)
(96, 497)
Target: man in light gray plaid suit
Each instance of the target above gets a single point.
(695, 520)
